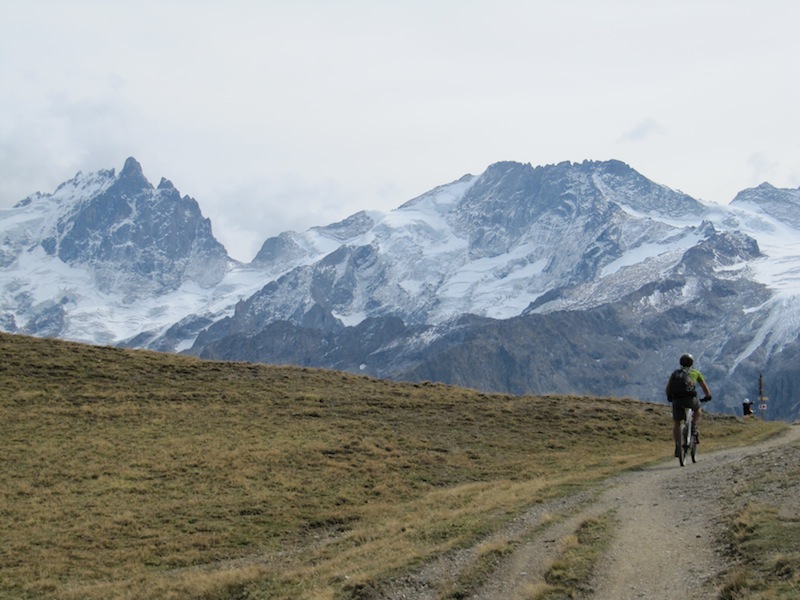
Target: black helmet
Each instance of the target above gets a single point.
(687, 360)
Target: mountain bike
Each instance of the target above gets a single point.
(689, 439)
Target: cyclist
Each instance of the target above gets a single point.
(681, 401)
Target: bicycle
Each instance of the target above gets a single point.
(689, 435)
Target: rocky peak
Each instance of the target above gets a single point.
(165, 184)
(782, 204)
(134, 237)
(132, 172)
(512, 201)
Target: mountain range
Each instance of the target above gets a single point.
(574, 278)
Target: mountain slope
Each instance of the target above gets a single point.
(487, 245)
(569, 278)
(576, 277)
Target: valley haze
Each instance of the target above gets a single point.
(567, 278)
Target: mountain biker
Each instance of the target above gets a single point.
(680, 403)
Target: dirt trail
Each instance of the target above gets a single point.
(664, 542)
(668, 522)
(665, 546)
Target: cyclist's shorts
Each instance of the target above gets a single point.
(678, 406)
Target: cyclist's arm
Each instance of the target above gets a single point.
(702, 381)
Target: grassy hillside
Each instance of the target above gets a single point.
(131, 474)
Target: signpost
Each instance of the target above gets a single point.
(762, 399)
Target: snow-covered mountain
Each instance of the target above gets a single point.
(568, 278)
(107, 257)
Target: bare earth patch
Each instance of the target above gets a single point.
(666, 543)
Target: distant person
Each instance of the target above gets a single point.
(747, 407)
(683, 395)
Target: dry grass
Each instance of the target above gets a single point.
(763, 529)
(129, 474)
(571, 572)
(766, 544)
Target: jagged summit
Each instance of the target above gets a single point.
(132, 172)
(131, 238)
(165, 184)
(782, 204)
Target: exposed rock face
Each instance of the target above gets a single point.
(136, 238)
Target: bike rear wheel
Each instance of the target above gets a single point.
(693, 446)
(683, 445)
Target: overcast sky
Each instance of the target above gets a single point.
(284, 114)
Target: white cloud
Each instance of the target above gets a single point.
(643, 130)
(307, 111)
(761, 168)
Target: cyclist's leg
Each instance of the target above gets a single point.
(677, 419)
(696, 418)
(676, 431)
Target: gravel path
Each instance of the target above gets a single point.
(668, 521)
(664, 543)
